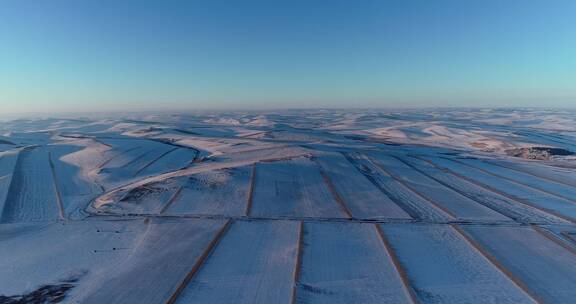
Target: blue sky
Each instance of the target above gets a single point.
(140, 54)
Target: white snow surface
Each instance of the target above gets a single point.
(294, 206)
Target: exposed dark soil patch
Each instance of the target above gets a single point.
(540, 153)
(316, 290)
(144, 191)
(46, 294)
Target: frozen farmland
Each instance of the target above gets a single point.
(310, 206)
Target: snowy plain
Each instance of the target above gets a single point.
(292, 206)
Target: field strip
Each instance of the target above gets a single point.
(56, 188)
(490, 206)
(250, 200)
(401, 272)
(333, 190)
(562, 197)
(558, 181)
(408, 209)
(502, 193)
(513, 198)
(155, 160)
(413, 190)
(497, 264)
(551, 236)
(205, 254)
(298, 264)
(254, 262)
(400, 193)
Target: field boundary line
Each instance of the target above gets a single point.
(492, 259)
(155, 160)
(199, 262)
(410, 292)
(59, 203)
(250, 200)
(298, 263)
(333, 191)
(172, 199)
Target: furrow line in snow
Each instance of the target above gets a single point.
(562, 197)
(558, 181)
(155, 160)
(400, 194)
(364, 170)
(501, 193)
(205, 254)
(106, 162)
(515, 279)
(414, 190)
(517, 216)
(506, 213)
(139, 157)
(410, 292)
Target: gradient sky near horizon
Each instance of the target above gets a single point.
(138, 54)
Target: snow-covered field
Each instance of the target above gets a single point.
(300, 206)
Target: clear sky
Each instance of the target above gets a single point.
(168, 54)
